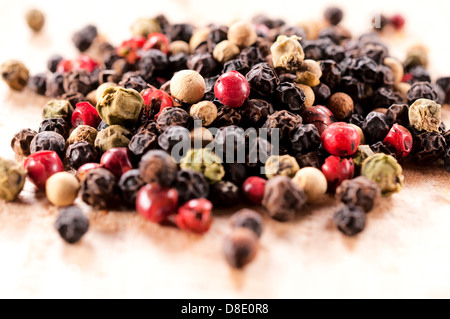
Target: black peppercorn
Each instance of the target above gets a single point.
(38, 83)
(251, 56)
(98, 189)
(398, 114)
(360, 191)
(181, 32)
(255, 112)
(171, 116)
(385, 76)
(190, 185)
(55, 85)
(71, 224)
(335, 53)
(418, 74)
(230, 141)
(57, 125)
(215, 36)
(322, 93)
(444, 84)
(53, 62)
(235, 173)
(224, 194)
(203, 63)
(285, 121)
(129, 185)
(73, 98)
(383, 98)
(355, 88)
(133, 80)
(240, 247)
(142, 142)
(263, 79)
(83, 39)
(331, 74)
(364, 69)
(152, 62)
(178, 62)
(172, 136)
(308, 160)
(77, 81)
(381, 147)
(350, 220)
(291, 97)
(421, 90)
(48, 141)
(333, 15)
(375, 127)
(375, 51)
(21, 142)
(226, 116)
(305, 139)
(238, 65)
(428, 147)
(158, 167)
(247, 218)
(81, 153)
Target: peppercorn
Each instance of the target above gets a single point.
(129, 185)
(172, 116)
(224, 194)
(425, 115)
(341, 105)
(83, 133)
(258, 151)
(313, 183)
(38, 83)
(188, 86)
(158, 167)
(305, 139)
(20, 143)
(281, 166)
(111, 137)
(291, 96)
(227, 116)
(132, 80)
(285, 121)
(62, 189)
(12, 179)
(350, 220)
(322, 93)
(235, 173)
(309, 95)
(48, 141)
(177, 47)
(77, 81)
(238, 65)
(363, 152)
(249, 219)
(83, 39)
(263, 79)
(283, 199)
(225, 51)
(361, 192)
(58, 109)
(254, 112)
(206, 162)
(287, 52)
(57, 125)
(190, 185)
(333, 15)
(242, 34)
(375, 127)
(15, 74)
(309, 73)
(174, 136)
(205, 111)
(71, 224)
(385, 171)
(308, 160)
(331, 73)
(80, 153)
(99, 188)
(241, 247)
(35, 19)
(428, 147)
(55, 85)
(416, 56)
(398, 114)
(421, 90)
(200, 137)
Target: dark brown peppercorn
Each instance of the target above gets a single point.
(203, 63)
(263, 79)
(226, 116)
(381, 147)
(181, 32)
(235, 173)
(375, 127)
(48, 141)
(360, 191)
(305, 139)
(238, 65)
(53, 62)
(224, 194)
(255, 112)
(247, 218)
(152, 63)
(364, 69)
(331, 74)
(98, 189)
(55, 85)
(291, 97)
(83, 39)
(190, 185)
(428, 147)
(56, 125)
(215, 36)
(172, 116)
(421, 90)
(21, 142)
(133, 80)
(172, 136)
(129, 185)
(71, 224)
(385, 76)
(355, 88)
(398, 114)
(74, 98)
(78, 81)
(350, 220)
(38, 83)
(283, 199)
(240, 247)
(81, 153)
(251, 56)
(158, 167)
(285, 121)
(308, 160)
(322, 93)
(384, 98)
(444, 83)
(333, 15)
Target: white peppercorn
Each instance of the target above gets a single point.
(62, 189)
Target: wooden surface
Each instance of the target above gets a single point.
(404, 252)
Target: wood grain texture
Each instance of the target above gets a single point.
(404, 252)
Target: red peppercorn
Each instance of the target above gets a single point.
(117, 161)
(195, 216)
(337, 170)
(318, 115)
(41, 166)
(341, 139)
(84, 169)
(156, 203)
(85, 62)
(85, 114)
(232, 89)
(398, 21)
(156, 101)
(400, 138)
(129, 49)
(157, 41)
(65, 66)
(253, 189)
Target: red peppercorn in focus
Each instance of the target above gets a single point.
(401, 139)
(337, 170)
(155, 102)
(117, 161)
(156, 203)
(232, 89)
(41, 166)
(85, 114)
(195, 216)
(341, 139)
(253, 189)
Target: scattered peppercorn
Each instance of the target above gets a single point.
(71, 224)
(360, 191)
(15, 74)
(385, 171)
(21, 142)
(62, 189)
(350, 220)
(247, 218)
(12, 179)
(240, 247)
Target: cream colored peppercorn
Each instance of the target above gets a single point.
(425, 115)
(396, 67)
(204, 111)
(188, 86)
(242, 34)
(101, 89)
(309, 93)
(313, 183)
(62, 189)
(179, 47)
(83, 133)
(309, 73)
(287, 52)
(198, 38)
(225, 51)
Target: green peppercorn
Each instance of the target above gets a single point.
(385, 171)
(120, 106)
(425, 115)
(83, 133)
(61, 109)
(15, 74)
(281, 166)
(12, 179)
(363, 152)
(111, 137)
(206, 162)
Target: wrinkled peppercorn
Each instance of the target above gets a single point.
(285, 121)
(21, 142)
(428, 147)
(71, 224)
(263, 79)
(308, 160)
(205, 111)
(285, 165)
(15, 74)
(142, 142)
(215, 36)
(172, 116)
(255, 112)
(158, 167)
(204, 161)
(375, 127)
(385, 171)
(48, 141)
(74, 98)
(238, 65)
(111, 137)
(83, 133)
(421, 90)
(305, 139)
(226, 116)
(38, 83)
(425, 115)
(382, 147)
(322, 93)
(384, 97)
(331, 74)
(98, 189)
(203, 63)
(235, 173)
(12, 179)
(247, 218)
(58, 109)
(355, 88)
(53, 62)
(398, 114)
(350, 220)
(77, 81)
(57, 125)
(133, 80)
(173, 136)
(291, 97)
(83, 39)
(224, 194)
(129, 185)
(190, 185)
(55, 85)
(81, 153)
(360, 191)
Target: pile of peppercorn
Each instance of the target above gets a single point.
(347, 113)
